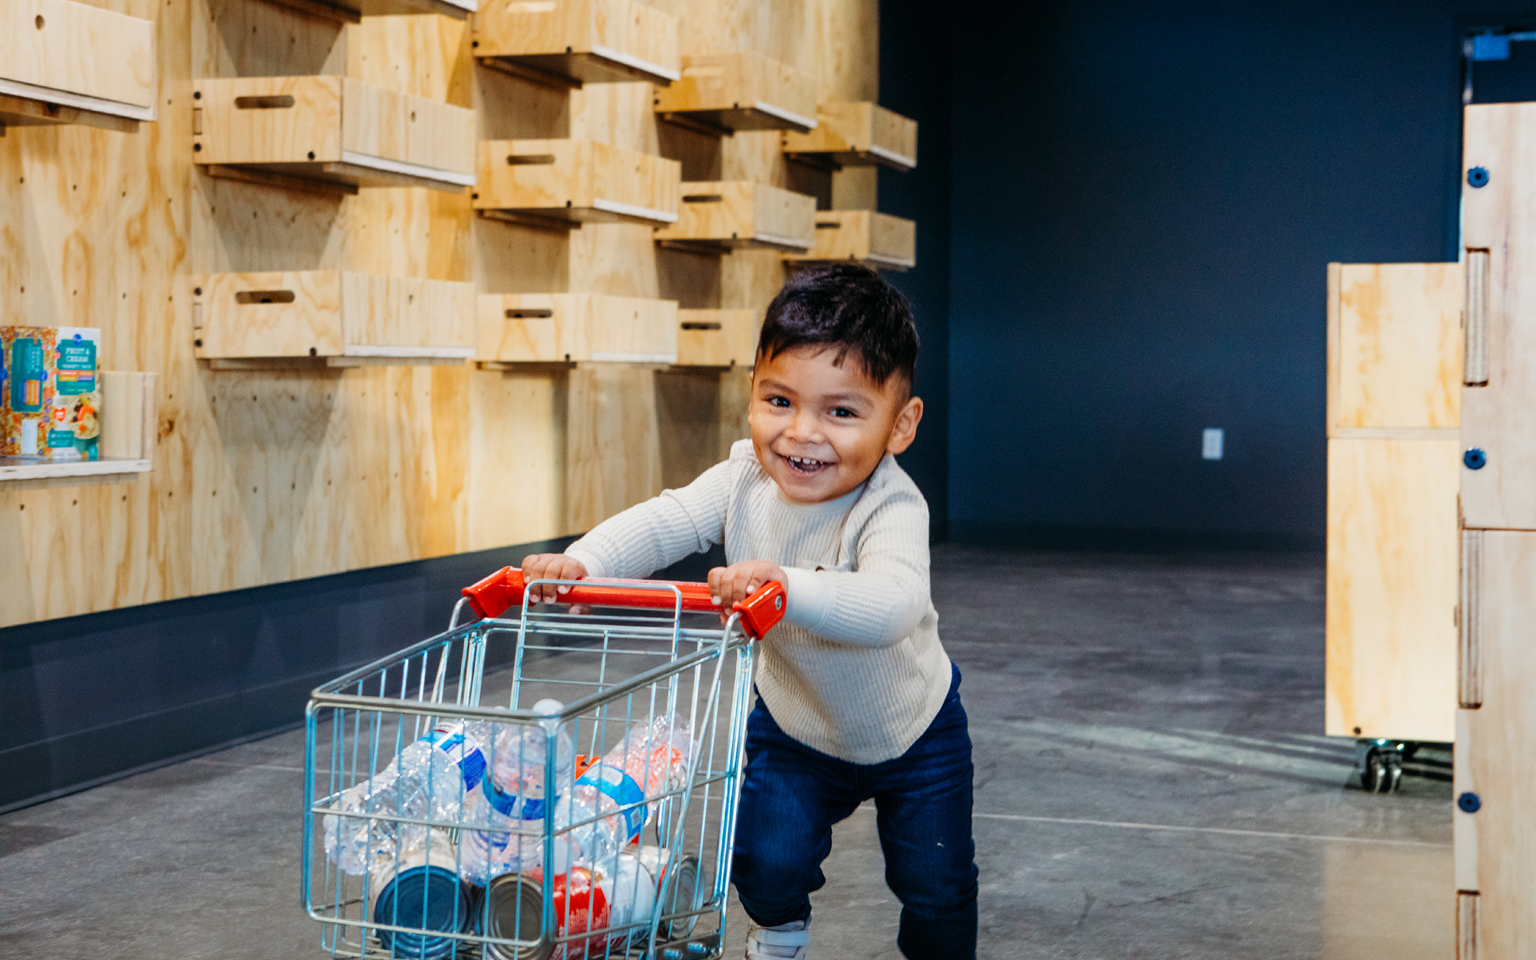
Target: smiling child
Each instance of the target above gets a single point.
(857, 699)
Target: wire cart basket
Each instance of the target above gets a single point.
(558, 784)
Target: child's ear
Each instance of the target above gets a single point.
(904, 430)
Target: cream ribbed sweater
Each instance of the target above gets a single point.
(856, 669)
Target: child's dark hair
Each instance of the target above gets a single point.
(849, 307)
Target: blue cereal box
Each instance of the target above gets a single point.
(50, 392)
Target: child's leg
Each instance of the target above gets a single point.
(923, 800)
(790, 797)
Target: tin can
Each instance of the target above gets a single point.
(642, 875)
(422, 891)
(514, 910)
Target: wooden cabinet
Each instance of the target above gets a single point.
(1394, 362)
(724, 93)
(66, 62)
(856, 135)
(863, 236)
(579, 41)
(717, 338)
(524, 328)
(340, 318)
(335, 131)
(727, 215)
(568, 182)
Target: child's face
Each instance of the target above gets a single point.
(821, 429)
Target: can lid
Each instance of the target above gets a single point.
(683, 893)
(428, 898)
(514, 910)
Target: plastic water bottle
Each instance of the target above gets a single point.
(428, 780)
(505, 817)
(650, 761)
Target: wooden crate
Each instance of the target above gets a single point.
(717, 338)
(1394, 370)
(863, 236)
(344, 319)
(856, 135)
(66, 62)
(727, 215)
(579, 41)
(724, 93)
(522, 328)
(129, 423)
(336, 131)
(353, 11)
(568, 182)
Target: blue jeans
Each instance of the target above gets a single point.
(792, 795)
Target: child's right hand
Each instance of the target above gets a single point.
(550, 566)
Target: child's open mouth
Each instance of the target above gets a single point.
(806, 465)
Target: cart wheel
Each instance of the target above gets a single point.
(1380, 764)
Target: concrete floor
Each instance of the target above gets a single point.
(1151, 782)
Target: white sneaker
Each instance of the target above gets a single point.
(787, 941)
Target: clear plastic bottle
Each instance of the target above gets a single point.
(508, 809)
(651, 760)
(428, 780)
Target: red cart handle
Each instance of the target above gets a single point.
(502, 590)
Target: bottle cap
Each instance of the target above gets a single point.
(549, 707)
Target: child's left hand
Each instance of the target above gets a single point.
(727, 585)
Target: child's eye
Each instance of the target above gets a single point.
(843, 413)
(778, 402)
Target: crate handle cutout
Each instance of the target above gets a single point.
(274, 102)
(701, 326)
(704, 198)
(529, 314)
(246, 297)
(530, 159)
(1475, 371)
(827, 224)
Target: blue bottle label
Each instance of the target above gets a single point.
(512, 805)
(471, 763)
(622, 789)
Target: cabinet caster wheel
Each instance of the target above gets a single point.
(1380, 764)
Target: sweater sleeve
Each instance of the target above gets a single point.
(659, 532)
(880, 602)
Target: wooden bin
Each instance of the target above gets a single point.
(579, 41)
(66, 62)
(717, 216)
(345, 319)
(336, 131)
(568, 182)
(863, 236)
(353, 11)
(856, 135)
(129, 424)
(724, 93)
(717, 338)
(521, 328)
(1394, 377)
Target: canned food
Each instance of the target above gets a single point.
(422, 892)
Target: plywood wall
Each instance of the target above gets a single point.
(265, 476)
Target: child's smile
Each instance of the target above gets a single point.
(820, 428)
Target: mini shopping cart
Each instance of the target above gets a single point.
(390, 872)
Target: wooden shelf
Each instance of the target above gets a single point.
(330, 132)
(856, 135)
(717, 338)
(720, 216)
(862, 236)
(571, 42)
(724, 93)
(65, 62)
(543, 328)
(353, 11)
(330, 318)
(568, 182)
(129, 423)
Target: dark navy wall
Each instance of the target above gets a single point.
(914, 81)
(1145, 197)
